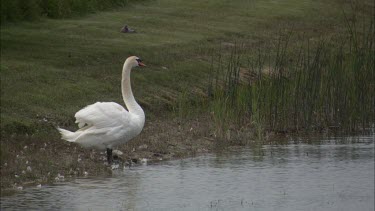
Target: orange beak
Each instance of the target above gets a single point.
(141, 64)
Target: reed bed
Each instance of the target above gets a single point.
(317, 85)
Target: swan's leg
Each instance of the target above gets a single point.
(109, 156)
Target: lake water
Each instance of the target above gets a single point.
(333, 174)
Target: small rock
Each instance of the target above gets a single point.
(39, 186)
(128, 163)
(16, 176)
(85, 173)
(59, 177)
(19, 188)
(143, 146)
(157, 155)
(144, 160)
(25, 147)
(5, 164)
(28, 169)
(27, 162)
(115, 166)
(134, 160)
(117, 152)
(23, 172)
(164, 68)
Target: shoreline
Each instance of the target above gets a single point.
(31, 161)
(34, 162)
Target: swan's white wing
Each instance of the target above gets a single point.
(103, 115)
(103, 125)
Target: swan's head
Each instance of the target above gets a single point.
(134, 61)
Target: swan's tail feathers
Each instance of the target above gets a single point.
(67, 135)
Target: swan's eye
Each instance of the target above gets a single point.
(140, 62)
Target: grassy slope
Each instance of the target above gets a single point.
(52, 68)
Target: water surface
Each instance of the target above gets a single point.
(332, 174)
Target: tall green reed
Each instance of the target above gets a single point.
(315, 86)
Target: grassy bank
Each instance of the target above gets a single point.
(52, 68)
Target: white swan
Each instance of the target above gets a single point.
(104, 125)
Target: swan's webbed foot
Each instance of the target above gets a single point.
(109, 156)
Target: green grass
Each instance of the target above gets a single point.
(31, 10)
(52, 68)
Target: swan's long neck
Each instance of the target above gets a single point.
(127, 93)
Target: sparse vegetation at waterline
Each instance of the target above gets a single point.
(218, 73)
(318, 85)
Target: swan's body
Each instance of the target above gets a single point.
(104, 125)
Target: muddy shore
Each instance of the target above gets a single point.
(28, 161)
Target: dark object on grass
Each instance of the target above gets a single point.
(126, 29)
